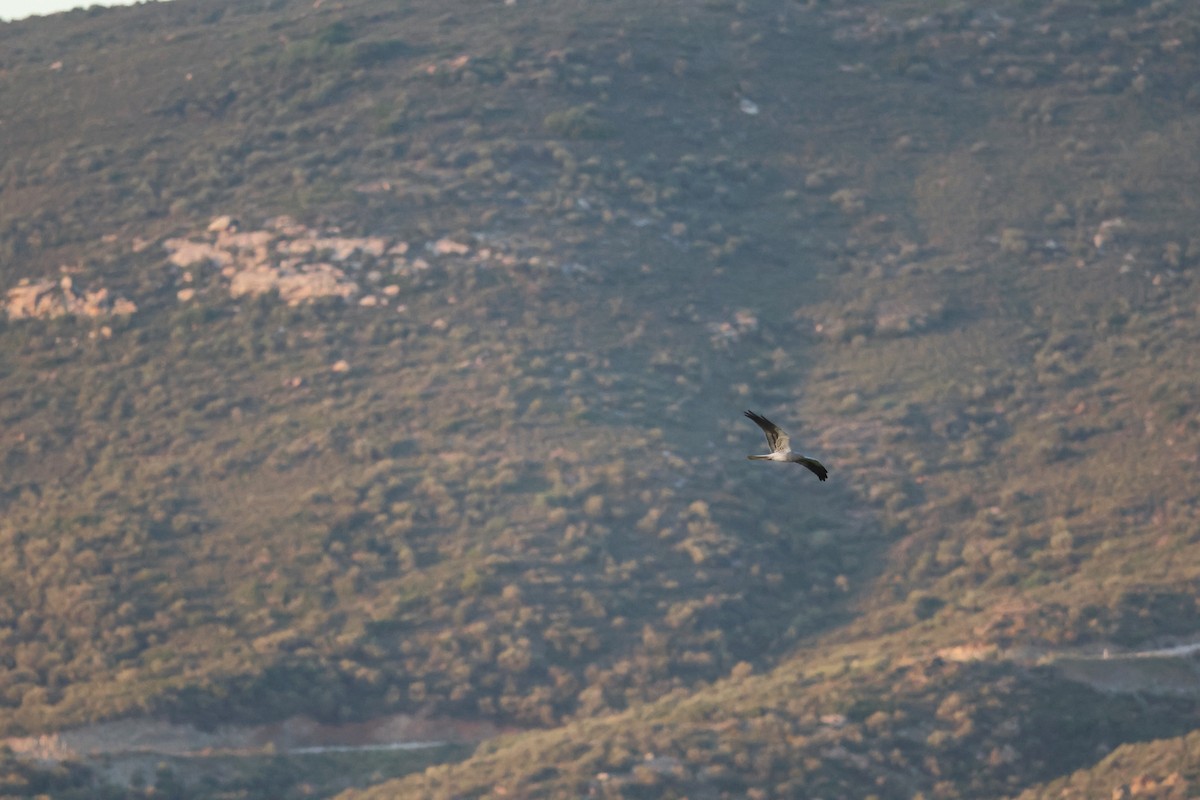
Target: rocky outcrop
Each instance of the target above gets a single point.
(47, 299)
(185, 253)
(291, 259)
(300, 263)
(295, 285)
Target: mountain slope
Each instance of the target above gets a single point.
(446, 418)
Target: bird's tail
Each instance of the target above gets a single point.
(759, 458)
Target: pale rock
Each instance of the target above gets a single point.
(1106, 232)
(319, 280)
(29, 300)
(374, 246)
(249, 240)
(287, 226)
(222, 223)
(47, 299)
(338, 248)
(819, 179)
(449, 247)
(184, 253)
(850, 201)
(92, 304)
(299, 247)
(294, 287)
(122, 307)
(253, 282)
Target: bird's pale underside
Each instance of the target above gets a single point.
(781, 448)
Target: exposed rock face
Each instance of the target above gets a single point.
(295, 285)
(449, 246)
(300, 263)
(223, 223)
(47, 299)
(184, 253)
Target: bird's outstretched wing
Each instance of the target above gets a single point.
(817, 467)
(777, 439)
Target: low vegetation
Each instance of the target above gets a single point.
(952, 250)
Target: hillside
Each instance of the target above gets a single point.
(363, 360)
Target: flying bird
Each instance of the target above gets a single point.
(781, 449)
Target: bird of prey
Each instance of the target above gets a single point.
(781, 450)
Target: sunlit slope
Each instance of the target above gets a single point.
(1164, 768)
(952, 253)
(1018, 405)
(838, 723)
(519, 497)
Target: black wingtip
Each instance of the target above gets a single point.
(816, 468)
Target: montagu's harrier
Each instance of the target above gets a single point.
(781, 450)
